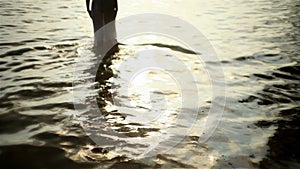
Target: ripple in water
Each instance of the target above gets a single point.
(256, 41)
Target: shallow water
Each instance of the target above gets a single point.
(257, 43)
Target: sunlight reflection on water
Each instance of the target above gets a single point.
(257, 42)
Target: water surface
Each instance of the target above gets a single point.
(257, 43)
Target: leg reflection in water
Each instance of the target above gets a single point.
(103, 14)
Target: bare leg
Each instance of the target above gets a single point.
(97, 14)
(110, 33)
(103, 14)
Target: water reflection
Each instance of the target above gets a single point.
(257, 41)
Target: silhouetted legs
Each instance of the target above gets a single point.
(103, 14)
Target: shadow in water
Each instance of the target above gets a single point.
(33, 157)
(284, 147)
(281, 93)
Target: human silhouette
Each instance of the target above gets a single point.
(103, 13)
